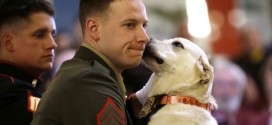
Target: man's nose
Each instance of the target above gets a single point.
(52, 43)
(143, 36)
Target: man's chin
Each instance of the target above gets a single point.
(46, 67)
(133, 64)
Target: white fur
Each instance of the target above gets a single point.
(184, 72)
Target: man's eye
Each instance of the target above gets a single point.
(130, 25)
(39, 35)
(53, 33)
(145, 25)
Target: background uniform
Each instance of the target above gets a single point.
(19, 95)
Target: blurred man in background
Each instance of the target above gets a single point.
(229, 86)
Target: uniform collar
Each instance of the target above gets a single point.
(17, 72)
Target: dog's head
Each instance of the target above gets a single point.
(181, 68)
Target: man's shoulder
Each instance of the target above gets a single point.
(76, 71)
(6, 79)
(6, 82)
(80, 66)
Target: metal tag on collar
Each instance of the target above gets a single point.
(34, 82)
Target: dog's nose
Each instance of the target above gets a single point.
(147, 47)
(151, 40)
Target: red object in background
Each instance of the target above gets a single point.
(228, 43)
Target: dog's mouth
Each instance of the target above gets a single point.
(150, 53)
(157, 59)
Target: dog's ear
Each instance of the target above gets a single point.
(206, 71)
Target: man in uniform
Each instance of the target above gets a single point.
(27, 28)
(89, 89)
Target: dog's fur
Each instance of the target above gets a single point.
(181, 69)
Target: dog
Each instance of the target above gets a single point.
(182, 84)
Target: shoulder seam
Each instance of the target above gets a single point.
(9, 77)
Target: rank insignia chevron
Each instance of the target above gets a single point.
(110, 114)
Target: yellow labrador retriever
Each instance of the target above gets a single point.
(181, 86)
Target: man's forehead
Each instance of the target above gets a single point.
(128, 10)
(32, 22)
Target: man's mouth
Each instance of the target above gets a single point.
(49, 57)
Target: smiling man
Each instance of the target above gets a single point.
(27, 47)
(89, 89)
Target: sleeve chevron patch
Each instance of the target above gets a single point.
(110, 114)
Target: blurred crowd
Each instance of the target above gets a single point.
(242, 85)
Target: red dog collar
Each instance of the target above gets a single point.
(185, 100)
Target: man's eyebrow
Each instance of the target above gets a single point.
(40, 30)
(44, 30)
(131, 20)
(135, 20)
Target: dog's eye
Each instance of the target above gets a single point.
(178, 44)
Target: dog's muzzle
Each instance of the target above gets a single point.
(150, 52)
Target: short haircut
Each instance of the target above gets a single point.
(92, 8)
(12, 11)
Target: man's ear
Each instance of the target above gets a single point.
(92, 28)
(6, 41)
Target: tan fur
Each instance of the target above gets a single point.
(185, 71)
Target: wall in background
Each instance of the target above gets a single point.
(258, 13)
(66, 12)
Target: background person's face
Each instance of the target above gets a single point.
(227, 90)
(34, 43)
(123, 35)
